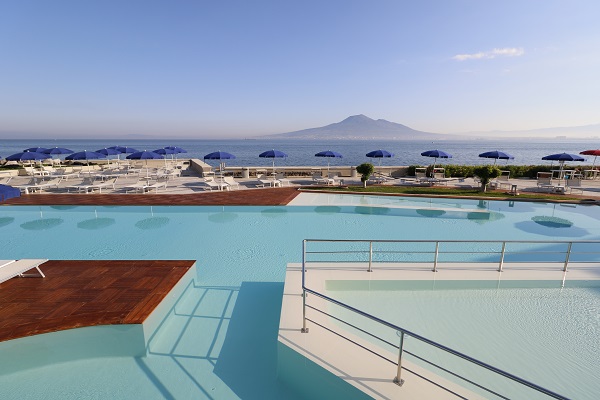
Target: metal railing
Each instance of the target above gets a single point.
(565, 252)
(555, 254)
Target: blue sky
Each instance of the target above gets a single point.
(216, 69)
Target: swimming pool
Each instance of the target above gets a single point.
(206, 350)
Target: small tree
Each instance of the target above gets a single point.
(365, 170)
(486, 173)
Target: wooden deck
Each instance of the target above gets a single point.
(75, 294)
(255, 197)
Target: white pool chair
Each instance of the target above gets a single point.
(103, 185)
(281, 178)
(11, 268)
(156, 185)
(139, 186)
(233, 184)
(84, 185)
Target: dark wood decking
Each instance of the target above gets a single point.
(258, 197)
(75, 294)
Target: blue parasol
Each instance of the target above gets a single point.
(36, 149)
(8, 192)
(27, 156)
(496, 155)
(219, 155)
(124, 149)
(436, 154)
(144, 155)
(273, 154)
(164, 151)
(109, 152)
(85, 155)
(328, 154)
(57, 151)
(176, 149)
(562, 158)
(379, 154)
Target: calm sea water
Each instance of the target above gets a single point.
(301, 152)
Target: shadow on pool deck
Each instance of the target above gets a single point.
(247, 362)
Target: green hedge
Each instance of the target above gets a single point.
(516, 171)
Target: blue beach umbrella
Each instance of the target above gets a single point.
(328, 154)
(164, 151)
(379, 154)
(436, 154)
(562, 158)
(27, 156)
(496, 155)
(109, 152)
(273, 154)
(144, 155)
(57, 151)
(36, 149)
(8, 192)
(85, 156)
(176, 149)
(124, 149)
(219, 155)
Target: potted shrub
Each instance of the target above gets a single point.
(486, 173)
(365, 170)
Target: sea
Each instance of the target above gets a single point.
(302, 152)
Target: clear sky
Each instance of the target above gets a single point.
(209, 69)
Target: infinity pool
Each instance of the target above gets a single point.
(221, 341)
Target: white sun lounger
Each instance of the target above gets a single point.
(11, 268)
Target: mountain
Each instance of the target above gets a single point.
(566, 132)
(362, 127)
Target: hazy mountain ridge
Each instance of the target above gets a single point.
(571, 132)
(361, 127)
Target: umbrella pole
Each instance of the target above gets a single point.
(560, 171)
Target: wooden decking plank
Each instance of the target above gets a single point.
(266, 197)
(78, 293)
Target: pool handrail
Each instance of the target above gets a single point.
(402, 331)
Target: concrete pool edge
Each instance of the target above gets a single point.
(116, 340)
(361, 369)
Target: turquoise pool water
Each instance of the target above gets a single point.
(221, 342)
(546, 335)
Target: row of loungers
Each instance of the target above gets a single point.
(12, 268)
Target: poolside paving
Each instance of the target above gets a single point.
(78, 293)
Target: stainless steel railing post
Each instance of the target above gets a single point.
(435, 260)
(304, 328)
(568, 256)
(502, 256)
(370, 257)
(397, 379)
